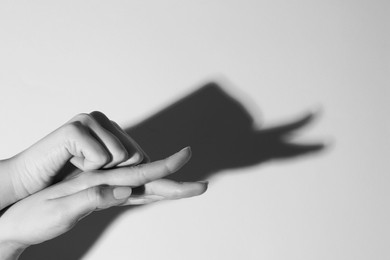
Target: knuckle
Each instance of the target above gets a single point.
(115, 124)
(168, 170)
(99, 117)
(141, 173)
(83, 117)
(97, 114)
(74, 128)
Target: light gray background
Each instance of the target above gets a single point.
(130, 59)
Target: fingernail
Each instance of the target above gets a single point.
(186, 152)
(186, 149)
(121, 193)
(177, 160)
(205, 186)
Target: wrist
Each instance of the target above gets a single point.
(11, 250)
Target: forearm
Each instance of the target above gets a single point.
(10, 250)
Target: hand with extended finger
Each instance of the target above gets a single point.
(88, 141)
(56, 209)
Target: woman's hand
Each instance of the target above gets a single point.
(88, 141)
(56, 209)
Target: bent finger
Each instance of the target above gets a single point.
(135, 153)
(145, 173)
(145, 156)
(85, 152)
(118, 153)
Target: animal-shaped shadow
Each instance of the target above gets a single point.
(222, 136)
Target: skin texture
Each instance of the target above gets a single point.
(88, 141)
(110, 167)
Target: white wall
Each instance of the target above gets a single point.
(130, 59)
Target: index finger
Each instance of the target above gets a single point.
(141, 174)
(133, 176)
(133, 149)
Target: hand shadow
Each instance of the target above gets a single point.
(222, 136)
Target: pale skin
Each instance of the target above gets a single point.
(110, 165)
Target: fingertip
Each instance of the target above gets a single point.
(97, 114)
(146, 158)
(192, 189)
(136, 158)
(187, 150)
(184, 153)
(205, 183)
(179, 159)
(205, 186)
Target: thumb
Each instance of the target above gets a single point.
(80, 204)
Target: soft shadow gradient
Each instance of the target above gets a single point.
(222, 135)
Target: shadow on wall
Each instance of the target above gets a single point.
(222, 136)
